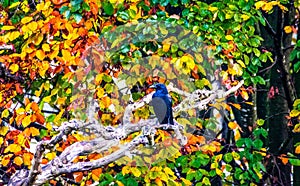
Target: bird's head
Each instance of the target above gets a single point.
(161, 88)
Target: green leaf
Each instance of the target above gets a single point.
(185, 1)
(258, 144)
(227, 157)
(297, 67)
(76, 2)
(240, 142)
(295, 162)
(50, 118)
(195, 163)
(108, 8)
(198, 175)
(63, 9)
(190, 176)
(260, 80)
(221, 16)
(248, 142)
(256, 52)
(43, 133)
(107, 78)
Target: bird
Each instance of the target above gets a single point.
(162, 104)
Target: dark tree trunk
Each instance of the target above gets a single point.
(281, 95)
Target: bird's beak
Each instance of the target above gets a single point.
(153, 86)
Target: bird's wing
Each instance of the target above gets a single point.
(160, 108)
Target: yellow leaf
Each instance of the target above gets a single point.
(212, 8)
(69, 91)
(46, 47)
(229, 37)
(14, 68)
(169, 171)
(1, 141)
(26, 121)
(50, 155)
(13, 148)
(14, 5)
(66, 55)
(40, 55)
(119, 183)
(3, 130)
(259, 4)
(288, 29)
(58, 116)
(61, 101)
(186, 182)
(135, 171)
(53, 54)
(100, 92)
(69, 27)
(294, 113)
(163, 176)
(26, 20)
(34, 131)
(7, 27)
(48, 126)
(245, 17)
(18, 161)
(241, 63)
(219, 171)
(32, 26)
(38, 39)
(125, 170)
(166, 47)
(14, 35)
(6, 159)
(5, 113)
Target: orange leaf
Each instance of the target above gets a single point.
(94, 8)
(96, 174)
(44, 161)
(6, 159)
(232, 125)
(27, 158)
(105, 102)
(237, 106)
(18, 88)
(284, 160)
(78, 176)
(297, 150)
(18, 161)
(244, 95)
(34, 106)
(40, 118)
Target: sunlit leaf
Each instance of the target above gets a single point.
(13, 148)
(26, 121)
(18, 160)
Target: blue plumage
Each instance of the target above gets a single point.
(162, 104)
